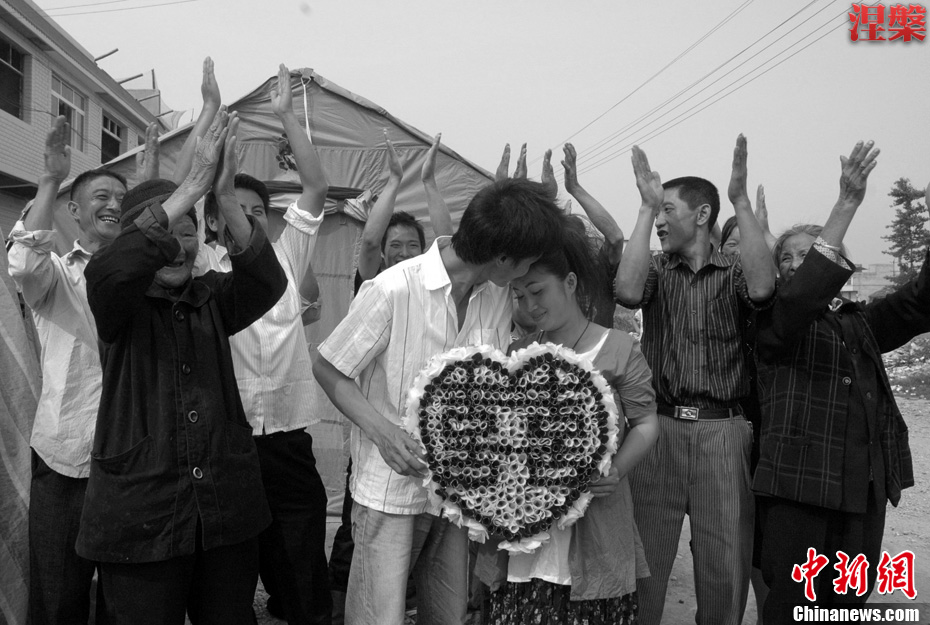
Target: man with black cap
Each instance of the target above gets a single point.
(175, 499)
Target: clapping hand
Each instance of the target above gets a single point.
(548, 176)
(737, 191)
(429, 165)
(209, 89)
(281, 96)
(648, 182)
(207, 154)
(57, 150)
(855, 172)
(147, 161)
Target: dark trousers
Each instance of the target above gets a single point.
(292, 549)
(59, 579)
(789, 529)
(340, 558)
(214, 587)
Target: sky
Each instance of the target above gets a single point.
(486, 73)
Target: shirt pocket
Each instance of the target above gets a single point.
(721, 322)
(126, 462)
(239, 438)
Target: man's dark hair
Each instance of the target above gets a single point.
(513, 218)
(696, 191)
(245, 181)
(403, 219)
(240, 181)
(92, 174)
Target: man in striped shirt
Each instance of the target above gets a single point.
(453, 295)
(693, 298)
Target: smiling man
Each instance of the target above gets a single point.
(175, 501)
(455, 294)
(54, 288)
(693, 298)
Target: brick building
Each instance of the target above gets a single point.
(45, 73)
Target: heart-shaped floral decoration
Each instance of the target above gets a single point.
(512, 443)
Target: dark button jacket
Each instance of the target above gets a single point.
(173, 448)
(808, 356)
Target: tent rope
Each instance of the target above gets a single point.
(303, 83)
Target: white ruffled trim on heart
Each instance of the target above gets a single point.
(452, 511)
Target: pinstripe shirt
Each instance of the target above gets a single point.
(398, 320)
(692, 330)
(271, 357)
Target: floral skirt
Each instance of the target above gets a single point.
(538, 602)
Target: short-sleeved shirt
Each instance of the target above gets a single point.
(399, 319)
(692, 330)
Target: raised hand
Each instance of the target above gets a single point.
(737, 191)
(57, 150)
(570, 165)
(209, 89)
(147, 161)
(519, 171)
(207, 154)
(762, 216)
(648, 182)
(429, 165)
(855, 172)
(394, 166)
(281, 96)
(548, 176)
(229, 165)
(503, 168)
(762, 211)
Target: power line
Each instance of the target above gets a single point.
(609, 142)
(90, 4)
(147, 6)
(681, 118)
(650, 79)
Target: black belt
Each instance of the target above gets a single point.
(690, 413)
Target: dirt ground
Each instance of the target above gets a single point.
(906, 527)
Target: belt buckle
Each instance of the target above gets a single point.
(687, 412)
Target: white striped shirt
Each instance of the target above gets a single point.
(270, 357)
(398, 320)
(55, 290)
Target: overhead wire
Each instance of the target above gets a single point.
(612, 140)
(684, 115)
(700, 40)
(147, 6)
(87, 4)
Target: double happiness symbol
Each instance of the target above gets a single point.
(512, 443)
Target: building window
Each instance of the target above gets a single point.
(11, 79)
(111, 139)
(68, 102)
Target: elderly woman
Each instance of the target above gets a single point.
(834, 444)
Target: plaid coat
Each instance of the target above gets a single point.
(806, 375)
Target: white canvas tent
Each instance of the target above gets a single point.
(347, 131)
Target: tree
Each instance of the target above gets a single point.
(909, 237)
